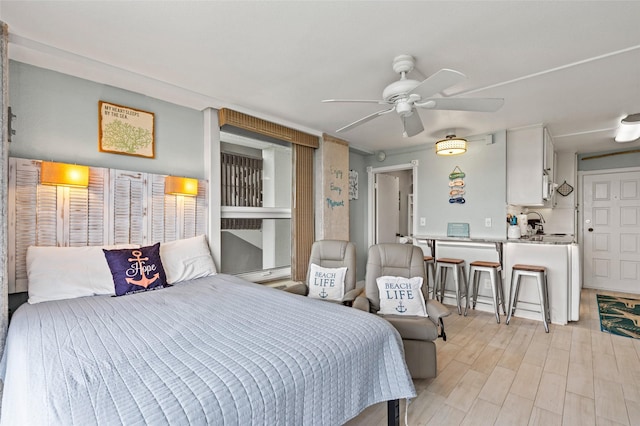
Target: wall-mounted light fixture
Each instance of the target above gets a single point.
(174, 185)
(451, 145)
(64, 174)
(629, 129)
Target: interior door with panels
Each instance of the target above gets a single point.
(611, 231)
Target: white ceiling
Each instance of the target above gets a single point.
(572, 65)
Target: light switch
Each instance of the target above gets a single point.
(423, 221)
(487, 222)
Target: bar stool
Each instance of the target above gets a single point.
(540, 274)
(476, 269)
(429, 265)
(443, 264)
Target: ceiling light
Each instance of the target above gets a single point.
(629, 129)
(451, 145)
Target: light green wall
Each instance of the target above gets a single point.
(631, 159)
(358, 213)
(57, 119)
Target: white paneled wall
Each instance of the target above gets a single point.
(118, 207)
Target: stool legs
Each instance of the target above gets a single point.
(543, 294)
(496, 287)
(458, 278)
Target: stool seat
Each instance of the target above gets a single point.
(530, 268)
(450, 260)
(443, 264)
(540, 274)
(476, 268)
(485, 264)
(428, 258)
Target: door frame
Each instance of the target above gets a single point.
(371, 172)
(580, 215)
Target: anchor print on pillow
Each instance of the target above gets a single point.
(135, 270)
(326, 283)
(401, 296)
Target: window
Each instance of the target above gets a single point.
(256, 207)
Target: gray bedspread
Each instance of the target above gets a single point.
(216, 350)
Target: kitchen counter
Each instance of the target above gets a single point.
(544, 239)
(535, 239)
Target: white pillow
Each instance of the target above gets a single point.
(326, 283)
(187, 259)
(401, 296)
(56, 273)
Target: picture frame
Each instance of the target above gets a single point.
(125, 130)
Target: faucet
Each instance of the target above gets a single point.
(539, 214)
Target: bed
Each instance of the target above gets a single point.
(212, 350)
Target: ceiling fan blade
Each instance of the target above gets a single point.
(437, 82)
(463, 104)
(364, 120)
(362, 101)
(412, 124)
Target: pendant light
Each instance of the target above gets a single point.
(451, 145)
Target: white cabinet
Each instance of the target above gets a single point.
(530, 156)
(563, 279)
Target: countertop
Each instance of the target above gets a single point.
(536, 239)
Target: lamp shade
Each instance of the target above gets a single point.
(64, 174)
(629, 129)
(174, 185)
(451, 145)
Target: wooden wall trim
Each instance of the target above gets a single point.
(243, 121)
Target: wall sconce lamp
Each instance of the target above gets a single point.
(174, 185)
(629, 129)
(64, 174)
(451, 145)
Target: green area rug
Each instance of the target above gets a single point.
(619, 315)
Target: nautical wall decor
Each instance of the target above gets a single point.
(456, 186)
(125, 130)
(353, 185)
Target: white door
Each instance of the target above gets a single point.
(611, 231)
(387, 208)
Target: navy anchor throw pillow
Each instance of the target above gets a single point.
(137, 269)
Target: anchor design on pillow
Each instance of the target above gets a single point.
(144, 281)
(323, 294)
(401, 308)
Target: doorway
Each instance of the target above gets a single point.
(392, 201)
(611, 230)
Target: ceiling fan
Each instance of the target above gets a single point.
(406, 94)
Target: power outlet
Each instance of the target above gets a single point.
(486, 284)
(487, 222)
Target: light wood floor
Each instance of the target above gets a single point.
(494, 374)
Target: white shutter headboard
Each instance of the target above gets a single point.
(118, 207)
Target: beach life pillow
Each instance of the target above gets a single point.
(401, 296)
(56, 273)
(136, 270)
(187, 259)
(326, 283)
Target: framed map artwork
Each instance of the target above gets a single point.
(125, 130)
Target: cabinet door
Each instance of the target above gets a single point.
(525, 154)
(549, 152)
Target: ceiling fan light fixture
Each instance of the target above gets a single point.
(451, 145)
(629, 129)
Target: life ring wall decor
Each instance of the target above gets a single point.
(456, 186)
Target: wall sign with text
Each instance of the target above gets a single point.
(125, 130)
